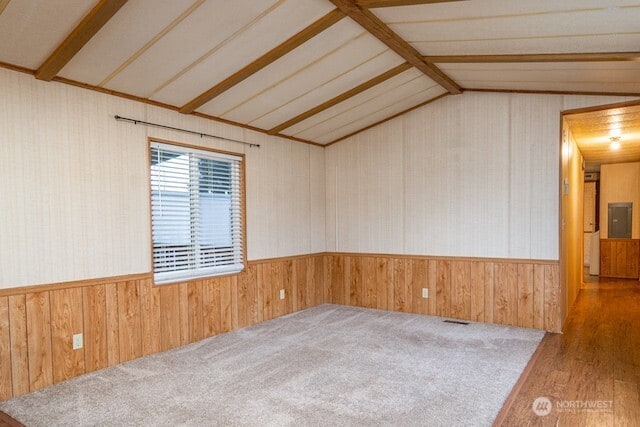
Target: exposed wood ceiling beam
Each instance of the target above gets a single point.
(393, 3)
(88, 27)
(342, 97)
(3, 5)
(273, 55)
(382, 32)
(546, 57)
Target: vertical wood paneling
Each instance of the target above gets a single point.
(66, 320)
(401, 296)
(489, 284)
(210, 308)
(19, 345)
(234, 302)
(183, 319)
(620, 258)
(419, 280)
(226, 314)
(247, 297)
(95, 327)
(552, 309)
(336, 280)
(6, 387)
(129, 322)
(383, 279)
(125, 320)
(505, 308)
(538, 296)
(433, 280)
(318, 281)
(170, 317)
(288, 276)
(353, 281)
(477, 291)
(300, 284)
(369, 286)
(39, 340)
(150, 319)
(195, 321)
(461, 289)
(525, 295)
(443, 289)
(113, 320)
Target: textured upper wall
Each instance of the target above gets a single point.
(473, 175)
(74, 194)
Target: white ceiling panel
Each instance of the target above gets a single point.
(358, 120)
(571, 44)
(478, 9)
(325, 43)
(316, 95)
(583, 76)
(30, 30)
(260, 36)
(506, 26)
(130, 29)
(333, 66)
(207, 26)
(373, 93)
(397, 90)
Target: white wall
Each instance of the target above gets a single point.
(473, 175)
(74, 200)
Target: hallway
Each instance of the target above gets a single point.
(595, 363)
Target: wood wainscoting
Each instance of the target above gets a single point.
(129, 317)
(620, 258)
(510, 292)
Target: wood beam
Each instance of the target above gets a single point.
(3, 5)
(386, 35)
(88, 27)
(546, 57)
(342, 97)
(273, 55)
(394, 3)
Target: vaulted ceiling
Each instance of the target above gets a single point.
(320, 70)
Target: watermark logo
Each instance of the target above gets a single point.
(542, 406)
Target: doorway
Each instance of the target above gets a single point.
(600, 196)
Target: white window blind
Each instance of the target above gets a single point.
(196, 213)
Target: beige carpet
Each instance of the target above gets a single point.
(328, 365)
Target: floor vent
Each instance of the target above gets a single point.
(457, 322)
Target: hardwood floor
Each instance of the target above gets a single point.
(596, 361)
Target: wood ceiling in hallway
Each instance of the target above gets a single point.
(317, 70)
(593, 130)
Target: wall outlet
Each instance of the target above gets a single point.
(77, 341)
(281, 293)
(425, 292)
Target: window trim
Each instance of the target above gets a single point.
(243, 202)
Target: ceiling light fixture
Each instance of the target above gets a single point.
(615, 143)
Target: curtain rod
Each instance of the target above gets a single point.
(200, 134)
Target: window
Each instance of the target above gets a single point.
(196, 213)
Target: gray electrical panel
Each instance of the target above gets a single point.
(620, 215)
